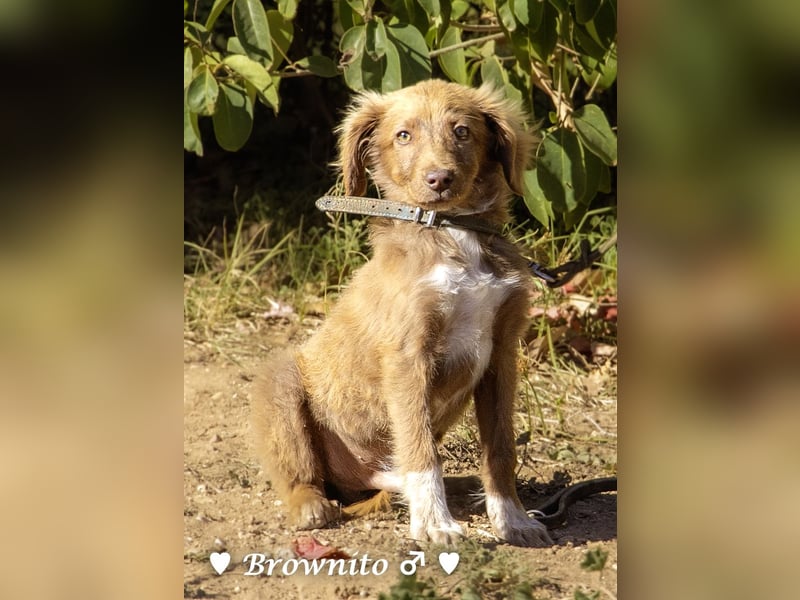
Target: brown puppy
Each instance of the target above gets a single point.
(432, 320)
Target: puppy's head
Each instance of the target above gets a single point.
(437, 145)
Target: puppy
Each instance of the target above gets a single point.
(432, 320)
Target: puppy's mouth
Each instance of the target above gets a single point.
(438, 200)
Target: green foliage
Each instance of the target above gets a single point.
(595, 559)
(558, 57)
(409, 588)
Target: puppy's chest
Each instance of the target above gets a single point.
(470, 296)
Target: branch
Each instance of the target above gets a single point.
(563, 109)
(472, 42)
(471, 27)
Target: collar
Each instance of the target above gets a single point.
(375, 207)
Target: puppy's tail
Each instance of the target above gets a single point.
(380, 502)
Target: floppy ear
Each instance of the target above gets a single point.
(354, 139)
(513, 142)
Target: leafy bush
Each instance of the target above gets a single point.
(559, 57)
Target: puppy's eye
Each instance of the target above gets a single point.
(461, 132)
(403, 137)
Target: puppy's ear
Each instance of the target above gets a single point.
(354, 140)
(513, 142)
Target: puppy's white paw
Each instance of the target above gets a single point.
(446, 532)
(512, 523)
(430, 518)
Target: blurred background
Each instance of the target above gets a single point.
(91, 317)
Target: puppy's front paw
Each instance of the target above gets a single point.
(446, 531)
(310, 509)
(512, 523)
(429, 516)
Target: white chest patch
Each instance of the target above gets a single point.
(471, 296)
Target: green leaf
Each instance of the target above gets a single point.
(585, 10)
(252, 71)
(188, 66)
(358, 6)
(592, 166)
(252, 29)
(603, 27)
(506, 15)
(415, 64)
(535, 200)
(191, 131)
(319, 65)
(528, 12)
(203, 91)
(196, 32)
(234, 46)
(595, 133)
(600, 75)
(459, 9)
(216, 11)
(282, 32)
(586, 43)
(351, 57)
(347, 17)
(521, 46)
(453, 63)
(544, 38)
(233, 119)
(492, 72)
(432, 7)
(352, 43)
(288, 8)
(376, 41)
(560, 169)
(392, 78)
(412, 13)
(269, 96)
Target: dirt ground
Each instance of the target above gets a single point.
(229, 507)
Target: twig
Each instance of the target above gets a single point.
(597, 426)
(472, 42)
(471, 27)
(563, 109)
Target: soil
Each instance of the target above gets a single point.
(229, 507)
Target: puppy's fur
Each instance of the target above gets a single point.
(432, 320)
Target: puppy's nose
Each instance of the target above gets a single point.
(439, 180)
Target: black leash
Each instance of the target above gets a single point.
(553, 512)
(557, 276)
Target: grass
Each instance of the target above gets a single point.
(259, 268)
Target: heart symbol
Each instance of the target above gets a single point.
(220, 561)
(449, 561)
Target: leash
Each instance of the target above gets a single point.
(553, 512)
(374, 207)
(557, 276)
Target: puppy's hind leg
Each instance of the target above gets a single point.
(284, 438)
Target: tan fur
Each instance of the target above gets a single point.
(430, 321)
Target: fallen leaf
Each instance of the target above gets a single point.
(309, 547)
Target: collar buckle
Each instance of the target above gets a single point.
(429, 217)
